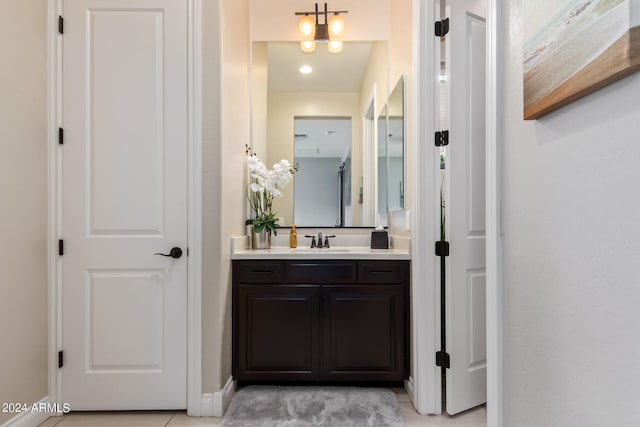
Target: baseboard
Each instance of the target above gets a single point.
(214, 404)
(206, 405)
(408, 386)
(222, 398)
(36, 414)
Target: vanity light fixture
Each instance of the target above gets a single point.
(307, 27)
(330, 30)
(336, 26)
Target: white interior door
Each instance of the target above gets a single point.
(124, 186)
(466, 382)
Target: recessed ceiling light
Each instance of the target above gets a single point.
(306, 69)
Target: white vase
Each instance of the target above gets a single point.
(260, 240)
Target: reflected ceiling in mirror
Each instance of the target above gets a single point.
(341, 72)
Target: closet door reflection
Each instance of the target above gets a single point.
(322, 185)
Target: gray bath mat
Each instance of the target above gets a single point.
(273, 406)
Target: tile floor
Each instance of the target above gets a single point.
(473, 418)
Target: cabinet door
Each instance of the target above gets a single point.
(364, 333)
(277, 332)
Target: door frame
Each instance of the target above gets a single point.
(494, 216)
(196, 405)
(424, 384)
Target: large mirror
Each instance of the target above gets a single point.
(327, 121)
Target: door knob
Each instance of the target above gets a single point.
(175, 252)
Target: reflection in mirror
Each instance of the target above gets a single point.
(395, 162)
(323, 151)
(369, 194)
(339, 86)
(382, 163)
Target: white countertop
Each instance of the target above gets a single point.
(332, 253)
(400, 251)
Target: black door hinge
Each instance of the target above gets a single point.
(60, 24)
(442, 248)
(60, 247)
(442, 27)
(443, 359)
(60, 136)
(60, 359)
(442, 138)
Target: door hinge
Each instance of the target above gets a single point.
(443, 359)
(60, 24)
(60, 359)
(60, 247)
(442, 138)
(442, 248)
(442, 27)
(60, 136)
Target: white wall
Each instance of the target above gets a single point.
(23, 207)
(571, 252)
(225, 133)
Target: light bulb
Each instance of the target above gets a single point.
(336, 26)
(334, 46)
(307, 46)
(307, 26)
(306, 69)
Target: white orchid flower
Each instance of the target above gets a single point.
(266, 185)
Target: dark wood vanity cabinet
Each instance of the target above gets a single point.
(320, 321)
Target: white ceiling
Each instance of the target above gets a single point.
(340, 72)
(324, 137)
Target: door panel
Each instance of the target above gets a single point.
(466, 295)
(132, 341)
(124, 189)
(124, 112)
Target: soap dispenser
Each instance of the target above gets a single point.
(293, 237)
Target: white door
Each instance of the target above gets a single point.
(124, 186)
(466, 382)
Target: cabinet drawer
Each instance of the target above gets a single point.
(381, 272)
(327, 272)
(259, 271)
